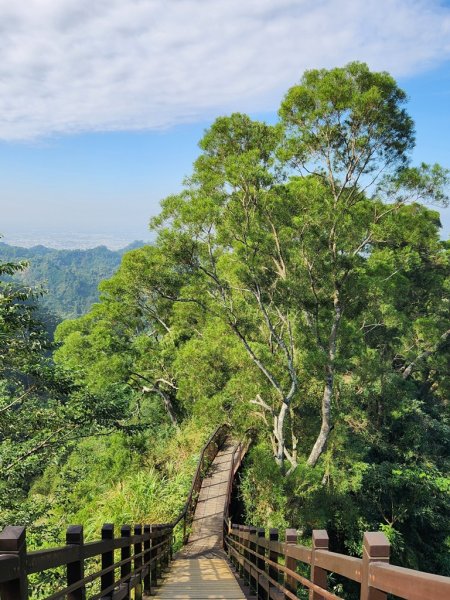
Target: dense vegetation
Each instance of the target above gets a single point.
(298, 286)
(70, 277)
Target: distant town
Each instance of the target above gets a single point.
(73, 240)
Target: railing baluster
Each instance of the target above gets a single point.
(261, 591)
(164, 550)
(241, 551)
(147, 576)
(273, 555)
(376, 547)
(291, 563)
(125, 553)
(153, 564)
(232, 535)
(246, 543)
(107, 579)
(13, 542)
(252, 558)
(320, 541)
(138, 563)
(75, 570)
(159, 551)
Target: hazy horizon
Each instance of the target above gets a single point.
(75, 240)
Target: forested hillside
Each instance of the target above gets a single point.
(70, 277)
(297, 286)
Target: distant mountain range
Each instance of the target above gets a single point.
(71, 277)
(73, 240)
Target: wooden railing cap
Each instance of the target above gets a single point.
(12, 538)
(291, 536)
(320, 538)
(376, 544)
(74, 534)
(108, 531)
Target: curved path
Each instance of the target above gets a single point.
(200, 570)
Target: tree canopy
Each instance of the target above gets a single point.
(298, 285)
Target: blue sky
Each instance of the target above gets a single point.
(101, 108)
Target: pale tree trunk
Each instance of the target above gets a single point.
(325, 428)
(279, 458)
(277, 437)
(168, 406)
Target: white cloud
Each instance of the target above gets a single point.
(88, 65)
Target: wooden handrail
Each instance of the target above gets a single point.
(262, 562)
(144, 553)
(215, 440)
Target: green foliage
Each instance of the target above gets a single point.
(119, 478)
(43, 413)
(290, 289)
(262, 490)
(70, 277)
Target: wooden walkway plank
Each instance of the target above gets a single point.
(200, 570)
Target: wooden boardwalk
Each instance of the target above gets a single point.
(200, 570)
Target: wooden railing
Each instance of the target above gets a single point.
(276, 570)
(271, 567)
(207, 455)
(238, 455)
(144, 553)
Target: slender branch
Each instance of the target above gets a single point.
(408, 370)
(18, 400)
(35, 449)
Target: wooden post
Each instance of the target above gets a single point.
(261, 592)
(273, 555)
(233, 534)
(289, 582)
(376, 548)
(147, 576)
(107, 580)
(158, 540)
(125, 553)
(167, 546)
(153, 565)
(184, 529)
(171, 543)
(253, 580)
(138, 563)
(241, 551)
(75, 570)
(13, 542)
(244, 542)
(162, 549)
(320, 541)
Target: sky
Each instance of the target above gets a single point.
(102, 103)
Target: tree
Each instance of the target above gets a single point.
(276, 223)
(289, 240)
(42, 412)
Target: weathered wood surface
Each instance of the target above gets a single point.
(206, 535)
(200, 579)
